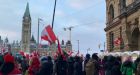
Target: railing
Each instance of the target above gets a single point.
(112, 21)
(130, 7)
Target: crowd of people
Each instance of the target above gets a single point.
(72, 65)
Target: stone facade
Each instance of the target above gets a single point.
(26, 31)
(123, 22)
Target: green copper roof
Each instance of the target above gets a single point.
(33, 39)
(27, 12)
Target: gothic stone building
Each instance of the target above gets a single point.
(26, 31)
(123, 22)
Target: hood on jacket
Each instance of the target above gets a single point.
(95, 57)
(8, 58)
(35, 62)
(110, 58)
(87, 56)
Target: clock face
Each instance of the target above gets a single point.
(26, 18)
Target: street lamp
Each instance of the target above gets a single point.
(39, 20)
(88, 50)
(69, 28)
(78, 45)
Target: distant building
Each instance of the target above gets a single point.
(26, 31)
(123, 25)
(33, 44)
(15, 46)
(68, 45)
(4, 45)
(28, 44)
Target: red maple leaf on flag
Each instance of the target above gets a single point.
(48, 34)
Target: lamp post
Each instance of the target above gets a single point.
(78, 45)
(54, 13)
(70, 29)
(39, 19)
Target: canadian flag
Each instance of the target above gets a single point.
(117, 41)
(48, 34)
(69, 53)
(77, 53)
(59, 48)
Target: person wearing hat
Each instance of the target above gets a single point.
(70, 66)
(77, 66)
(46, 67)
(8, 67)
(87, 58)
(92, 66)
(61, 66)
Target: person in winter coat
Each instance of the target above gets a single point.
(34, 66)
(46, 67)
(138, 69)
(70, 66)
(9, 68)
(109, 64)
(116, 68)
(127, 68)
(92, 66)
(61, 66)
(87, 58)
(101, 70)
(24, 65)
(137, 64)
(77, 66)
(1, 60)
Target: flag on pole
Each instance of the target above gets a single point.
(69, 53)
(59, 48)
(99, 46)
(48, 35)
(77, 53)
(61, 52)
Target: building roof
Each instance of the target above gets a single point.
(33, 39)
(68, 42)
(44, 46)
(27, 11)
(62, 42)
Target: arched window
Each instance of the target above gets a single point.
(123, 3)
(111, 36)
(111, 12)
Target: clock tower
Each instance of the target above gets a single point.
(26, 31)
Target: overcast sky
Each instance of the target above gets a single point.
(87, 17)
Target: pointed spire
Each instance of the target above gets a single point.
(62, 42)
(33, 39)
(27, 11)
(6, 40)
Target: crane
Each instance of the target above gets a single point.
(69, 28)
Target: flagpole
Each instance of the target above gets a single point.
(37, 35)
(54, 13)
(39, 19)
(78, 45)
(104, 45)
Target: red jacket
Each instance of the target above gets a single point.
(34, 67)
